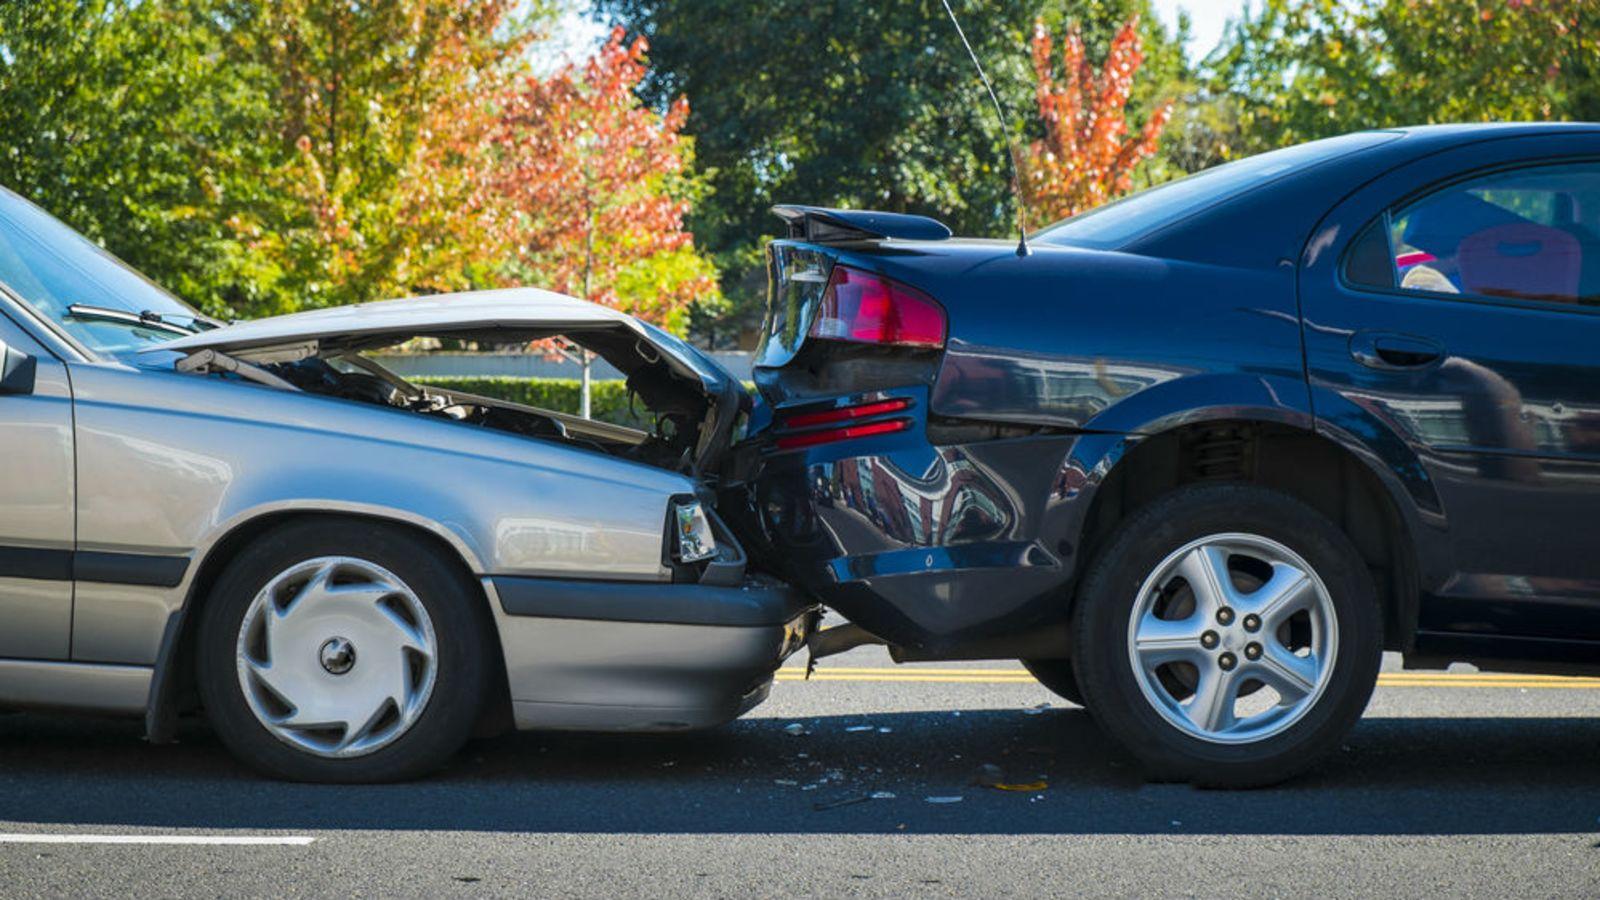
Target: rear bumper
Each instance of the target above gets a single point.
(621, 656)
(929, 546)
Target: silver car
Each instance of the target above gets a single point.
(350, 574)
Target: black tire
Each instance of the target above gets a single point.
(1101, 622)
(1057, 677)
(460, 621)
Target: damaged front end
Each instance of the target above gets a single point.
(693, 405)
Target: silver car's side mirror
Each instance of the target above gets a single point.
(16, 371)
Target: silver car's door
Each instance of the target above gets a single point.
(36, 506)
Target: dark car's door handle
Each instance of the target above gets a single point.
(1382, 350)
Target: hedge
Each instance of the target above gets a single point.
(608, 399)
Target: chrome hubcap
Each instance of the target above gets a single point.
(1233, 638)
(337, 657)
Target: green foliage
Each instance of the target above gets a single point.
(609, 398)
(1305, 69)
(123, 119)
(870, 105)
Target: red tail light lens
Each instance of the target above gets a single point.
(845, 414)
(829, 435)
(870, 309)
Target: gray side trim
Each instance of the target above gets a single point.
(130, 568)
(44, 565)
(107, 568)
(754, 603)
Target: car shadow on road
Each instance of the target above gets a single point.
(1394, 776)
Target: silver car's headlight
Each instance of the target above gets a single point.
(693, 539)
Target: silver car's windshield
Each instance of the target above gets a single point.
(79, 286)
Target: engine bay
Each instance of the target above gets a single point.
(675, 410)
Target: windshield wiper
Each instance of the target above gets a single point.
(145, 319)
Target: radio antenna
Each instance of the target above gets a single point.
(1005, 129)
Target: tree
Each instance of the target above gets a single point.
(1305, 69)
(123, 119)
(868, 105)
(597, 186)
(262, 157)
(377, 180)
(1086, 156)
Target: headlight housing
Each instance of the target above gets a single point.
(692, 539)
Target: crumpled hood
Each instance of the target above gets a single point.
(489, 315)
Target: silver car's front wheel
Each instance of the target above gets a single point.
(344, 650)
(1233, 638)
(337, 656)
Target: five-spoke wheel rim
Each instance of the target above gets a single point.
(337, 657)
(1233, 638)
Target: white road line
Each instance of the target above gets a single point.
(226, 840)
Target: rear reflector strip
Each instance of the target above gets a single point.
(828, 436)
(845, 414)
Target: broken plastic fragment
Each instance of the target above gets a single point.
(836, 802)
(883, 795)
(854, 728)
(795, 728)
(1027, 787)
(1036, 710)
(951, 799)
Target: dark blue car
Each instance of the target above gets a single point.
(1199, 456)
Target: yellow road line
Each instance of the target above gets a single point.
(1020, 676)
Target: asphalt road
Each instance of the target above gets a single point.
(1457, 784)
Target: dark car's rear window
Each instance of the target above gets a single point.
(1115, 224)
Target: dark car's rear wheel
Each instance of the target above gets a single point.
(1228, 635)
(1057, 676)
(342, 651)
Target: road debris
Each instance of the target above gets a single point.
(856, 728)
(1036, 710)
(956, 798)
(796, 729)
(992, 776)
(836, 802)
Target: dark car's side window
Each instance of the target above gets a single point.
(1530, 233)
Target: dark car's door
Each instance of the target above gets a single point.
(1456, 303)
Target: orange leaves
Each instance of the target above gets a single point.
(1086, 156)
(596, 187)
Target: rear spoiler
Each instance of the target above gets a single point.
(821, 225)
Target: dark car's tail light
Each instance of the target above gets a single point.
(845, 413)
(870, 309)
(840, 417)
(829, 435)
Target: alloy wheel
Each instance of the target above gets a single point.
(1233, 638)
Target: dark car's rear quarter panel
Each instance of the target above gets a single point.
(965, 527)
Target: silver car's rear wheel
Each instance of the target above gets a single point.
(337, 657)
(1233, 638)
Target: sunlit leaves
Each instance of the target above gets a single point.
(1087, 155)
(596, 186)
